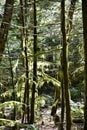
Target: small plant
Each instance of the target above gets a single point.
(32, 127)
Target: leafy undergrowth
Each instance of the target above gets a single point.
(45, 121)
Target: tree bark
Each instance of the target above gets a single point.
(65, 67)
(70, 15)
(5, 25)
(84, 14)
(65, 58)
(24, 42)
(34, 66)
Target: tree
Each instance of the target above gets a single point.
(5, 25)
(70, 16)
(34, 64)
(65, 67)
(24, 44)
(84, 13)
(66, 41)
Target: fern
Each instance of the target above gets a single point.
(7, 122)
(11, 104)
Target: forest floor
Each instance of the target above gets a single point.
(45, 121)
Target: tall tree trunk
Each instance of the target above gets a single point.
(69, 28)
(22, 29)
(26, 60)
(62, 92)
(24, 42)
(5, 25)
(34, 66)
(65, 67)
(13, 93)
(22, 47)
(84, 13)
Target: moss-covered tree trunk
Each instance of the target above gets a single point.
(22, 29)
(70, 17)
(65, 67)
(24, 44)
(26, 63)
(84, 13)
(34, 65)
(22, 38)
(62, 95)
(5, 25)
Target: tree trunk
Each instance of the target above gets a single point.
(24, 42)
(65, 67)
(84, 13)
(65, 56)
(13, 115)
(70, 16)
(62, 96)
(34, 66)
(5, 25)
(26, 61)
(22, 29)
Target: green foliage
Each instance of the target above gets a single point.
(77, 110)
(31, 127)
(40, 101)
(48, 78)
(7, 122)
(1, 114)
(43, 101)
(11, 103)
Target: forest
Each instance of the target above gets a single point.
(43, 65)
